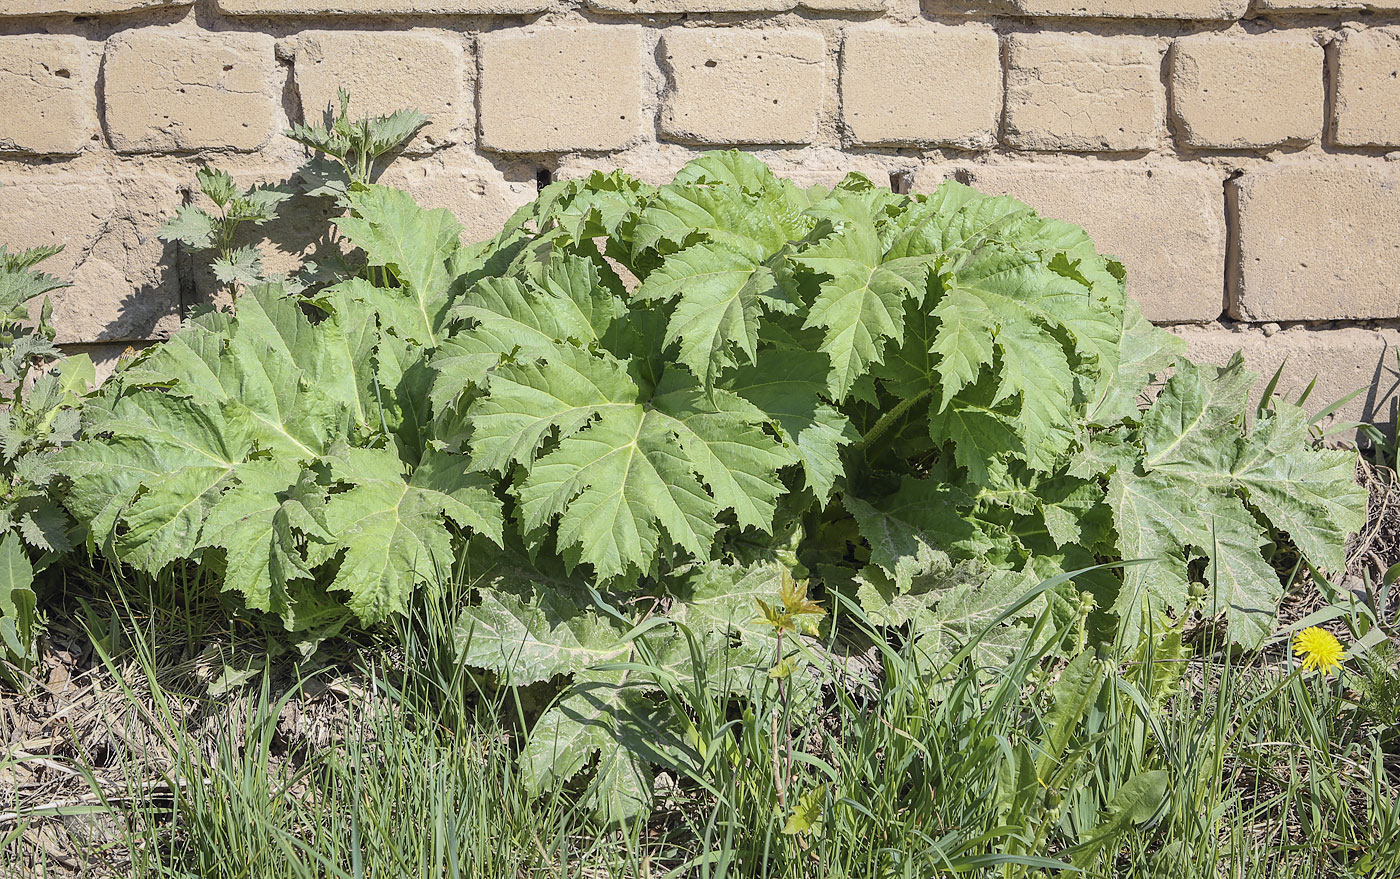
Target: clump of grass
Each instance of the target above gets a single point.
(885, 768)
(417, 780)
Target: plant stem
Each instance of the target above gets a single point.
(777, 768)
(779, 779)
(889, 418)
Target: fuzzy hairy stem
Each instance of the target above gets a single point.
(889, 419)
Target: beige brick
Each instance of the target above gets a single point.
(380, 7)
(1318, 242)
(82, 7)
(481, 199)
(635, 7)
(655, 164)
(386, 71)
(1188, 9)
(846, 5)
(1366, 103)
(733, 86)
(123, 278)
(644, 7)
(1342, 360)
(916, 106)
(929, 177)
(828, 167)
(168, 90)
(556, 88)
(1324, 5)
(1068, 92)
(1194, 10)
(1247, 92)
(1165, 223)
(921, 177)
(47, 87)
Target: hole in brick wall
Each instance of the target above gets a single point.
(228, 67)
(712, 63)
(63, 73)
(543, 177)
(901, 182)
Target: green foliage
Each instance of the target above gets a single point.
(286, 442)
(1202, 486)
(38, 414)
(354, 146)
(650, 405)
(18, 619)
(416, 773)
(202, 229)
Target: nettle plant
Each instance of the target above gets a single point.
(38, 415)
(639, 409)
(201, 229)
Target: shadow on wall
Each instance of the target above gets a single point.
(124, 279)
(114, 305)
(129, 288)
(144, 312)
(1381, 400)
(301, 239)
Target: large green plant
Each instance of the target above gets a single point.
(653, 404)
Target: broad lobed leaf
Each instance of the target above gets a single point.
(246, 435)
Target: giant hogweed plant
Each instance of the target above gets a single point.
(639, 409)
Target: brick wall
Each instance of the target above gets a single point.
(1236, 154)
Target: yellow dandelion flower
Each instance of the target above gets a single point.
(1320, 649)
